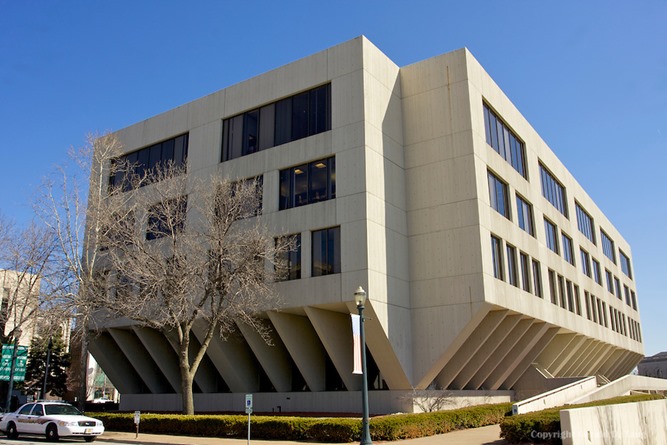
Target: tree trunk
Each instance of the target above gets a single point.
(83, 362)
(186, 391)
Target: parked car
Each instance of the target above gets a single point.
(52, 420)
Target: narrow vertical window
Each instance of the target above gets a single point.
(524, 215)
(610, 281)
(524, 263)
(511, 266)
(552, 287)
(568, 254)
(608, 246)
(497, 258)
(625, 265)
(326, 252)
(288, 265)
(585, 263)
(617, 286)
(537, 279)
(597, 272)
(585, 223)
(551, 234)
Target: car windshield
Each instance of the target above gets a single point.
(69, 410)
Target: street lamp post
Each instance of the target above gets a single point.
(10, 388)
(46, 369)
(359, 300)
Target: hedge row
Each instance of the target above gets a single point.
(333, 430)
(544, 426)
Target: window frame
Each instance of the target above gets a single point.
(496, 186)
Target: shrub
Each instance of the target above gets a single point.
(544, 426)
(331, 430)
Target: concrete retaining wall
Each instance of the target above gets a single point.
(344, 402)
(624, 424)
(555, 397)
(623, 386)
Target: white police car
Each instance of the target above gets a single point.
(52, 420)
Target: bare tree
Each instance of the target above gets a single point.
(181, 251)
(26, 264)
(71, 203)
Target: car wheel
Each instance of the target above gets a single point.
(89, 438)
(52, 432)
(11, 431)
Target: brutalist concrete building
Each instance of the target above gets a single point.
(486, 263)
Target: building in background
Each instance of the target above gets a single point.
(489, 270)
(654, 366)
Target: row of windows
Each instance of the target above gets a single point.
(596, 311)
(143, 164)
(522, 271)
(504, 141)
(325, 254)
(295, 117)
(589, 266)
(525, 273)
(564, 293)
(499, 199)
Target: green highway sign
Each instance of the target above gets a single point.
(19, 365)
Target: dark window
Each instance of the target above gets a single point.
(552, 286)
(537, 279)
(597, 272)
(252, 206)
(610, 281)
(625, 264)
(326, 251)
(504, 141)
(296, 117)
(524, 263)
(617, 286)
(288, 265)
(570, 296)
(553, 190)
(585, 263)
(633, 296)
(308, 183)
(568, 253)
(525, 215)
(141, 166)
(512, 272)
(561, 292)
(608, 246)
(588, 305)
(585, 223)
(498, 195)
(166, 218)
(551, 234)
(497, 258)
(626, 290)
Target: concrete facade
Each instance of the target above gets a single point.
(416, 220)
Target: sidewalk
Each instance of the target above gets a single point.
(488, 435)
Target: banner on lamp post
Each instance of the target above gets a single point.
(356, 339)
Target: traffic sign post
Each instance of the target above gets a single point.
(248, 410)
(137, 419)
(19, 364)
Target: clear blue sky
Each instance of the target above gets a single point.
(590, 76)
